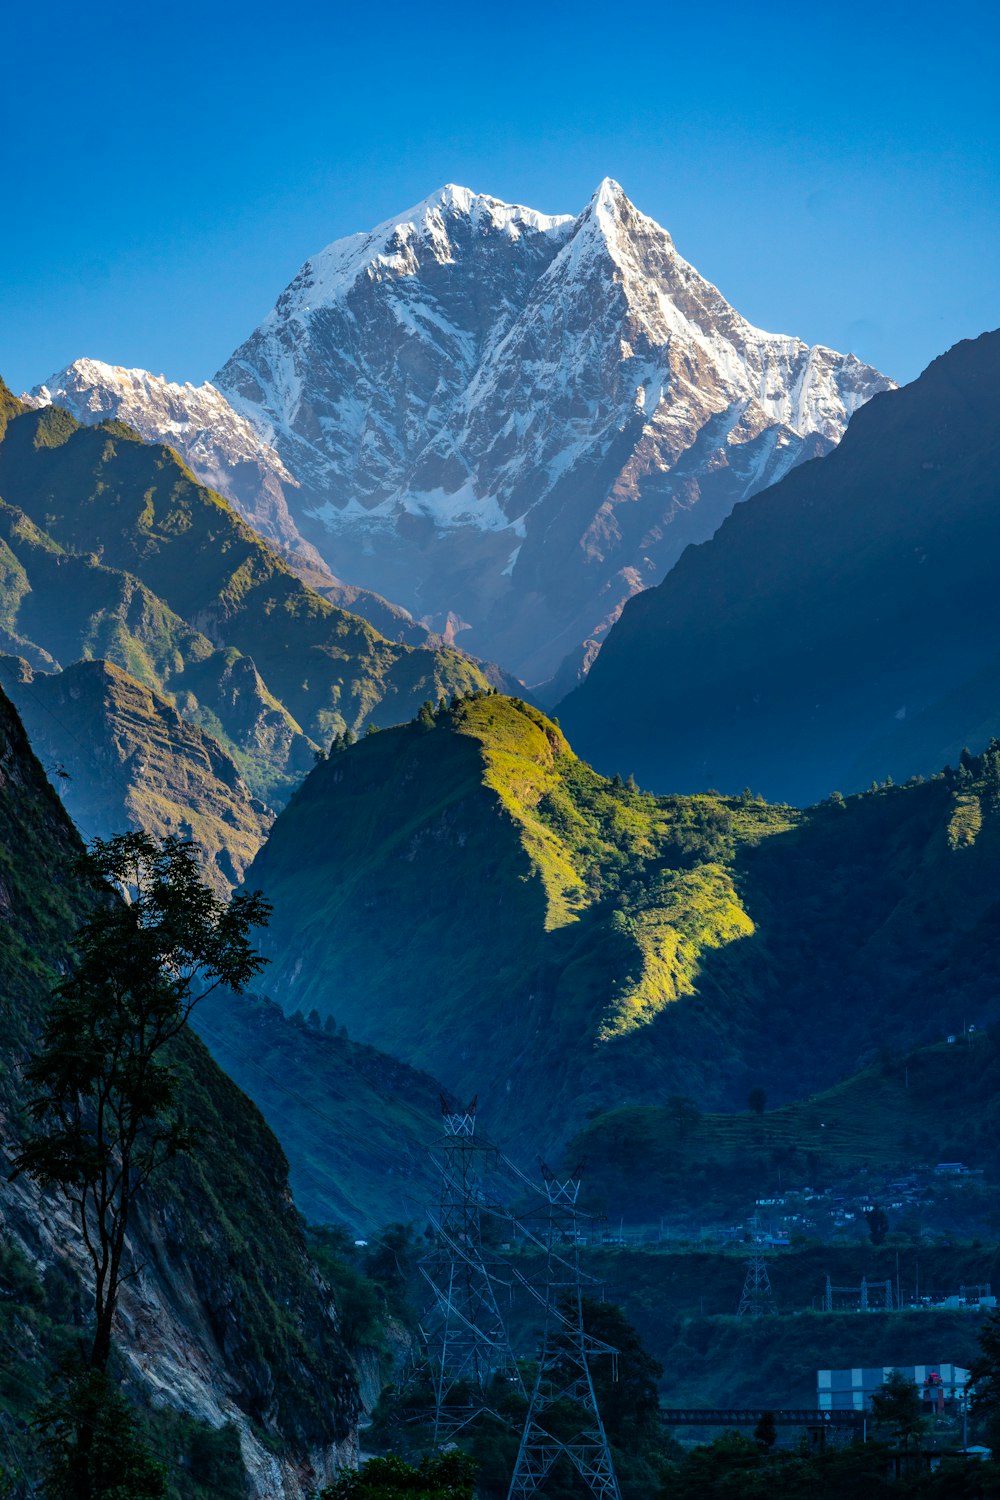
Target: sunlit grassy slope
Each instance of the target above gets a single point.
(467, 894)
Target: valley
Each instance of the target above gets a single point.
(499, 761)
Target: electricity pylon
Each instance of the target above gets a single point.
(757, 1300)
(465, 1336)
(564, 1374)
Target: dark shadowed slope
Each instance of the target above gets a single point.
(227, 1318)
(794, 650)
(123, 757)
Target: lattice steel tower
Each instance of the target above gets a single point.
(464, 1332)
(757, 1300)
(564, 1366)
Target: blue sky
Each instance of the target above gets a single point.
(168, 168)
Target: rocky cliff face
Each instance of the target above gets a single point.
(227, 1318)
(512, 422)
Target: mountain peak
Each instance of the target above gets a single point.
(614, 216)
(436, 229)
(469, 364)
(451, 195)
(85, 376)
(610, 193)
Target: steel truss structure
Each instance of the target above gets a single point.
(867, 1297)
(465, 1336)
(564, 1374)
(757, 1300)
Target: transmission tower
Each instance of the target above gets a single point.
(464, 1332)
(757, 1300)
(564, 1373)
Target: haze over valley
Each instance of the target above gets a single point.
(500, 783)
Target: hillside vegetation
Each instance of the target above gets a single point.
(123, 757)
(469, 894)
(226, 1312)
(940, 1102)
(356, 1124)
(110, 548)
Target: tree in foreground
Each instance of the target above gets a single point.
(104, 1112)
(104, 1108)
(91, 1445)
(984, 1379)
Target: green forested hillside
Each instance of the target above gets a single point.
(940, 1102)
(477, 900)
(57, 606)
(225, 1311)
(109, 547)
(356, 1124)
(123, 757)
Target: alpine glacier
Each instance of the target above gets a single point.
(512, 422)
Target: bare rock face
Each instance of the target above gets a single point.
(512, 423)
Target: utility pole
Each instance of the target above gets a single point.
(465, 1337)
(564, 1374)
(757, 1300)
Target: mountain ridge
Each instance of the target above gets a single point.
(123, 757)
(224, 453)
(509, 463)
(883, 554)
(112, 548)
(469, 895)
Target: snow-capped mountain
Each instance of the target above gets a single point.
(224, 451)
(512, 422)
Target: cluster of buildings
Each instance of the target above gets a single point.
(942, 1386)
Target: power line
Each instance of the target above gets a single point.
(564, 1373)
(757, 1300)
(466, 1344)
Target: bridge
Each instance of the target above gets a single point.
(741, 1416)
